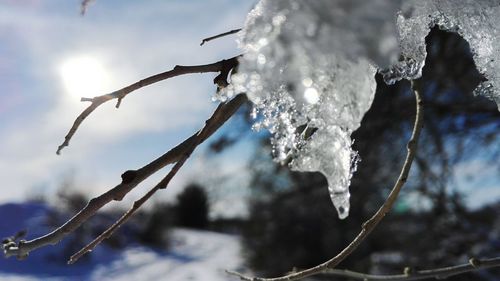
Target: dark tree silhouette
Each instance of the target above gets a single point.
(192, 207)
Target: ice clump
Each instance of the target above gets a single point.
(477, 21)
(299, 81)
(309, 68)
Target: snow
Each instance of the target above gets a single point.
(18, 278)
(311, 64)
(194, 255)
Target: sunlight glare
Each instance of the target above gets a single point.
(84, 76)
(311, 95)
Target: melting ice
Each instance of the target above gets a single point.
(311, 64)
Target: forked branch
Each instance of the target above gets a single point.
(221, 114)
(370, 224)
(131, 178)
(220, 66)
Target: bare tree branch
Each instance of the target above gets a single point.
(370, 224)
(219, 36)
(130, 178)
(221, 114)
(220, 66)
(438, 273)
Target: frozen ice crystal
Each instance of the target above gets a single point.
(296, 76)
(477, 21)
(309, 69)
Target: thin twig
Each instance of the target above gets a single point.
(122, 93)
(85, 5)
(438, 273)
(219, 36)
(370, 224)
(221, 114)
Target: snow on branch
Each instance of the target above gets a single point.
(312, 64)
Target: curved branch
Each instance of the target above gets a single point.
(219, 66)
(438, 273)
(370, 224)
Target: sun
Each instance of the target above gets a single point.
(84, 76)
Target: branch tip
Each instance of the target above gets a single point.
(119, 102)
(84, 99)
(219, 36)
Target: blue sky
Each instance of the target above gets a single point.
(122, 41)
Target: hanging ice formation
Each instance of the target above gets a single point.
(311, 65)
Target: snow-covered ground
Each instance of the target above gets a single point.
(193, 255)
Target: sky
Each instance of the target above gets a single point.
(50, 56)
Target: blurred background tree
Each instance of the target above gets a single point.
(192, 207)
(190, 210)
